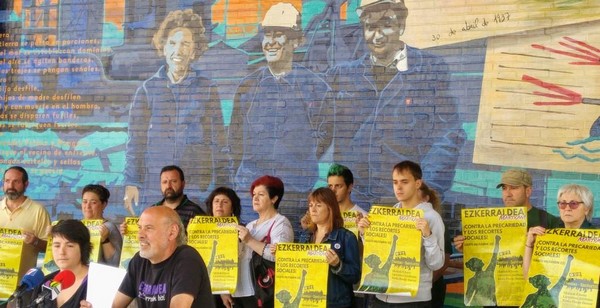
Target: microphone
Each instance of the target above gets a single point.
(31, 280)
(63, 280)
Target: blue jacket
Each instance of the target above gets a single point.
(179, 124)
(340, 293)
(413, 118)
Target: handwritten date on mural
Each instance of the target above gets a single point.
(474, 24)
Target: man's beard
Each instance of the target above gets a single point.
(13, 194)
(172, 195)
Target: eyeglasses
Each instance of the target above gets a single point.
(572, 204)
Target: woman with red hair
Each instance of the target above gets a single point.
(266, 192)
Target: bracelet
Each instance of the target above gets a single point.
(530, 246)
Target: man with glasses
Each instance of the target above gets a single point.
(516, 187)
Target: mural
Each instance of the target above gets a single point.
(110, 91)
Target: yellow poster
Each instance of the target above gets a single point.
(564, 269)
(216, 239)
(350, 221)
(11, 245)
(131, 244)
(392, 252)
(49, 264)
(94, 225)
(301, 275)
(493, 255)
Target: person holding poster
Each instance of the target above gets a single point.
(516, 187)
(17, 211)
(224, 202)
(71, 248)
(576, 208)
(327, 226)
(94, 199)
(407, 178)
(266, 192)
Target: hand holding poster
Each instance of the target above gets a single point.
(304, 261)
(216, 239)
(392, 252)
(493, 255)
(564, 269)
(131, 244)
(11, 245)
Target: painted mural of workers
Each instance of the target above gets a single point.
(281, 122)
(393, 104)
(175, 117)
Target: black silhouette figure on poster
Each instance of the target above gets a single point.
(481, 288)
(285, 297)
(377, 281)
(544, 298)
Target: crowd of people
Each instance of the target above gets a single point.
(166, 268)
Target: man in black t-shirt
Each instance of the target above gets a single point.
(165, 272)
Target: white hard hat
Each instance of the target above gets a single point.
(283, 15)
(366, 3)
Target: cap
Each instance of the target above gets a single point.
(515, 177)
(366, 3)
(283, 15)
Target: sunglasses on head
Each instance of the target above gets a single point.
(571, 204)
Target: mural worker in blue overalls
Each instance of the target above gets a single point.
(175, 117)
(282, 121)
(393, 104)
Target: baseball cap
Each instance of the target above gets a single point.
(515, 177)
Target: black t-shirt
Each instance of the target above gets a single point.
(153, 285)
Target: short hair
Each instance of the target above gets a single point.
(76, 232)
(399, 9)
(274, 187)
(343, 171)
(181, 19)
(101, 191)
(411, 167)
(171, 168)
(587, 197)
(327, 196)
(20, 169)
(236, 205)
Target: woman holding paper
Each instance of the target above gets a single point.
(326, 226)
(267, 192)
(94, 200)
(576, 207)
(71, 248)
(224, 202)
